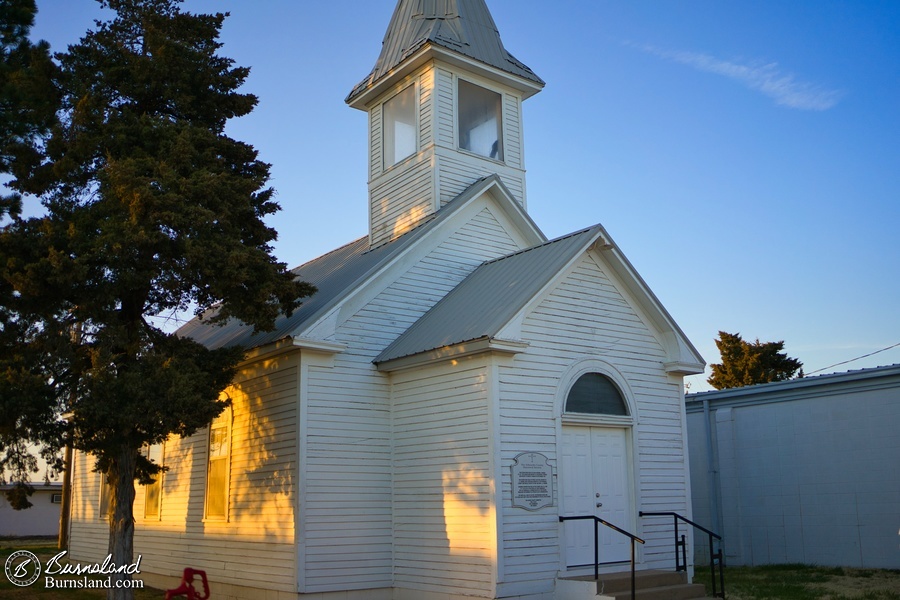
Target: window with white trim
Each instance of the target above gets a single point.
(399, 127)
(104, 510)
(217, 473)
(153, 491)
(479, 120)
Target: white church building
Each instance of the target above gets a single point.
(458, 383)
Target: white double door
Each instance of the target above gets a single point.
(595, 481)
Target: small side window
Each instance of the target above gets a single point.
(399, 126)
(480, 128)
(152, 491)
(106, 506)
(217, 474)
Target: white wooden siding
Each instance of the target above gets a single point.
(457, 171)
(445, 113)
(426, 108)
(348, 527)
(346, 500)
(512, 131)
(402, 195)
(89, 530)
(444, 521)
(401, 199)
(423, 79)
(255, 546)
(376, 143)
(586, 316)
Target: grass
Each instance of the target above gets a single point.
(805, 582)
(37, 591)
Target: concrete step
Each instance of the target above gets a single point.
(649, 585)
(620, 582)
(681, 591)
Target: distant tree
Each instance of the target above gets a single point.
(151, 209)
(744, 363)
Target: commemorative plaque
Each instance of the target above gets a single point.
(532, 481)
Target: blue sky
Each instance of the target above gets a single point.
(745, 156)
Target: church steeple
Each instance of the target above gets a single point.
(444, 103)
(462, 26)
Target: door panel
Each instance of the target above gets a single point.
(594, 471)
(578, 494)
(611, 481)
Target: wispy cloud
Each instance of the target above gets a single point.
(767, 78)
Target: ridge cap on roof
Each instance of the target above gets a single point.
(539, 246)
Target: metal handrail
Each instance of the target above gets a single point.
(597, 521)
(716, 559)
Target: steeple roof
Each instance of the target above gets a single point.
(461, 26)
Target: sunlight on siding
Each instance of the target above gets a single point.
(467, 514)
(408, 220)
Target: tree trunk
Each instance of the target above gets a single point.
(65, 508)
(121, 523)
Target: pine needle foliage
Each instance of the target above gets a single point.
(748, 363)
(28, 98)
(151, 209)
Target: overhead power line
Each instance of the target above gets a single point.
(853, 359)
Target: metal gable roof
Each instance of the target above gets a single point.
(463, 26)
(490, 297)
(336, 275)
(332, 274)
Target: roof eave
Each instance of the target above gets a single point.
(362, 96)
(684, 368)
(453, 352)
(290, 344)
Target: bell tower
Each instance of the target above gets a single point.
(445, 110)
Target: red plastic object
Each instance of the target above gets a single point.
(187, 586)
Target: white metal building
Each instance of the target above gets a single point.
(801, 471)
(40, 519)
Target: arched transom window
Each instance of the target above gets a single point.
(596, 394)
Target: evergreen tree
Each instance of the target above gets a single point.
(28, 104)
(28, 99)
(744, 363)
(151, 209)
